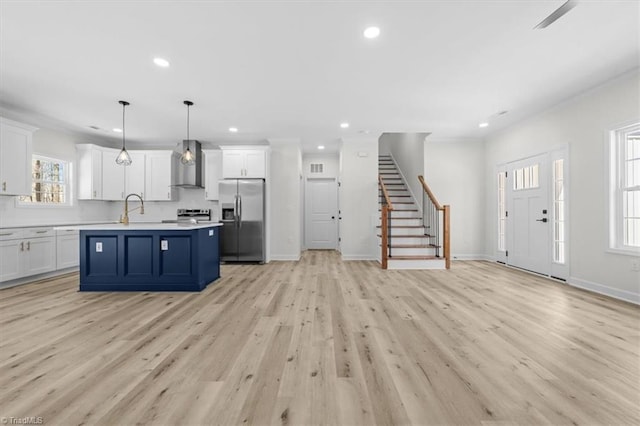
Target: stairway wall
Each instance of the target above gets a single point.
(453, 171)
(407, 150)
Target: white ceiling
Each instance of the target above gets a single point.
(294, 69)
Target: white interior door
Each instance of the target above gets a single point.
(528, 214)
(321, 214)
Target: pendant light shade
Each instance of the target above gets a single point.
(187, 158)
(123, 158)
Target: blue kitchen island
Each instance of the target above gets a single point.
(149, 256)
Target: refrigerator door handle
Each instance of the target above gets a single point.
(239, 211)
(235, 209)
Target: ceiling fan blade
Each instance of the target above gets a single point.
(557, 14)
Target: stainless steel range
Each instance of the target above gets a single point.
(193, 215)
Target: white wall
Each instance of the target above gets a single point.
(581, 123)
(330, 165)
(285, 199)
(407, 150)
(452, 168)
(359, 198)
(60, 145)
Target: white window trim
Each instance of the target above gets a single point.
(613, 170)
(67, 204)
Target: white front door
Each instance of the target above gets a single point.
(321, 214)
(528, 214)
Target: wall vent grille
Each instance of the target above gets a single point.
(317, 168)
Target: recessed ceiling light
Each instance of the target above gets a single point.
(117, 130)
(233, 129)
(485, 124)
(344, 125)
(161, 62)
(320, 146)
(372, 32)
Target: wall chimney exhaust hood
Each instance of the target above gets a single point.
(190, 176)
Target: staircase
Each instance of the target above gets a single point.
(410, 245)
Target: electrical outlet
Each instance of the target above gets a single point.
(164, 245)
(635, 265)
(98, 247)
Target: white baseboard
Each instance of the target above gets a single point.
(285, 257)
(32, 278)
(471, 257)
(627, 296)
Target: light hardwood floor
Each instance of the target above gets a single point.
(322, 341)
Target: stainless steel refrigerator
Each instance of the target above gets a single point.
(242, 215)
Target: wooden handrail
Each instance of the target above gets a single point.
(385, 193)
(430, 194)
(384, 218)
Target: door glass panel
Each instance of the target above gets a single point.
(559, 237)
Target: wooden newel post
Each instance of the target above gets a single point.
(384, 230)
(447, 232)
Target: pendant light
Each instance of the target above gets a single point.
(188, 159)
(123, 158)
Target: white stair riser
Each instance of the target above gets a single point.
(398, 213)
(397, 207)
(405, 241)
(397, 232)
(406, 222)
(416, 264)
(415, 251)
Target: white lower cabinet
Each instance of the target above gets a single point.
(10, 258)
(67, 249)
(40, 255)
(25, 252)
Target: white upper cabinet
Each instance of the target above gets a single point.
(112, 176)
(134, 174)
(150, 174)
(160, 169)
(212, 173)
(15, 157)
(244, 163)
(89, 172)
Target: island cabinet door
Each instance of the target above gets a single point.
(177, 257)
(99, 258)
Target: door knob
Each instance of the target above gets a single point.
(543, 220)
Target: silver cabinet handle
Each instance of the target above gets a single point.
(28, 245)
(22, 246)
(4, 186)
(168, 195)
(95, 193)
(41, 232)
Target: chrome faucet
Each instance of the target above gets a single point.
(125, 219)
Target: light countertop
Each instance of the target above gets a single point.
(140, 226)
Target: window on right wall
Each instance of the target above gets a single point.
(624, 189)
